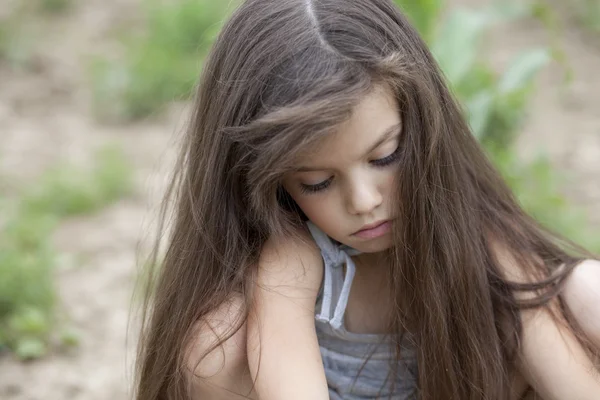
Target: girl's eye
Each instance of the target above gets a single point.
(309, 189)
(385, 161)
(380, 162)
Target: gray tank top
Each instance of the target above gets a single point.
(343, 352)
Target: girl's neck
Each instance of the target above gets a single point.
(371, 264)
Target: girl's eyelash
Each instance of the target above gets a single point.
(380, 162)
(309, 189)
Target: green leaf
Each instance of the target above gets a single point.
(506, 10)
(457, 44)
(30, 321)
(54, 6)
(70, 337)
(523, 69)
(423, 14)
(29, 348)
(480, 108)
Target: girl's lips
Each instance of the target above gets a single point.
(374, 232)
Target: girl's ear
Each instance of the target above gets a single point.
(288, 204)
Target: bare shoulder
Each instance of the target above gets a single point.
(584, 280)
(291, 263)
(219, 371)
(217, 356)
(587, 272)
(527, 269)
(582, 295)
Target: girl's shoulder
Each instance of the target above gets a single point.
(293, 260)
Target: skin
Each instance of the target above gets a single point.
(354, 171)
(359, 192)
(354, 191)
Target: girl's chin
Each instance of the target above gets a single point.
(372, 246)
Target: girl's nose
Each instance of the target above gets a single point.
(363, 198)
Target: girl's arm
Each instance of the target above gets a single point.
(551, 359)
(282, 347)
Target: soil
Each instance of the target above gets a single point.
(45, 117)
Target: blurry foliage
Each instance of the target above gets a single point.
(496, 104)
(160, 65)
(424, 15)
(588, 12)
(21, 25)
(27, 257)
(15, 40)
(54, 6)
(550, 17)
(537, 186)
(4, 39)
(65, 191)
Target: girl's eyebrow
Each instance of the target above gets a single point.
(385, 136)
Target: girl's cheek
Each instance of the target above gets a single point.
(315, 208)
(307, 205)
(391, 182)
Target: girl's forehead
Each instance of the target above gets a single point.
(374, 119)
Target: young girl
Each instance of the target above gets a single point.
(338, 233)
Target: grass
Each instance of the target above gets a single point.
(65, 191)
(28, 315)
(160, 65)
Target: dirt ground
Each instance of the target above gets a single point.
(45, 116)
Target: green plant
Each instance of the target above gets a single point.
(27, 257)
(160, 65)
(588, 12)
(65, 191)
(554, 24)
(54, 6)
(8, 28)
(424, 15)
(4, 39)
(15, 41)
(27, 295)
(496, 104)
(538, 188)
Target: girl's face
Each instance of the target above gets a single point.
(347, 185)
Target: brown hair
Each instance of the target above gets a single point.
(282, 75)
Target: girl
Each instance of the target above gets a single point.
(339, 233)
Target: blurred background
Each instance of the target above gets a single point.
(93, 97)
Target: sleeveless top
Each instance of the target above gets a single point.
(344, 353)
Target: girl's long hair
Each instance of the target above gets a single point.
(281, 76)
